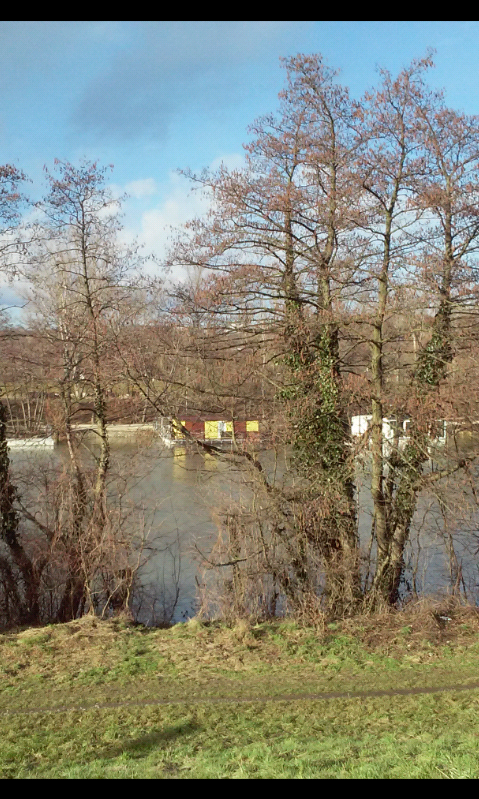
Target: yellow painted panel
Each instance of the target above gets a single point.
(177, 433)
(252, 427)
(228, 427)
(211, 430)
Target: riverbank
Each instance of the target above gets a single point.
(91, 698)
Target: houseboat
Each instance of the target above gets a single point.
(210, 429)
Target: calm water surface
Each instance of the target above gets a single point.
(179, 491)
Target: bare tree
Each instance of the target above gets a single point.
(350, 233)
(80, 286)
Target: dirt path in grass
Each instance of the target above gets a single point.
(244, 699)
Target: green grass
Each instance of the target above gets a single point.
(84, 663)
(419, 737)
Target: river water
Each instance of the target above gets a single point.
(176, 493)
(170, 494)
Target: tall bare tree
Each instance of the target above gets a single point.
(81, 290)
(325, 248)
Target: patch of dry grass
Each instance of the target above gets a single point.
(430, 622)
(95, 654)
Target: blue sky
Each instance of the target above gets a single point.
(154, 97)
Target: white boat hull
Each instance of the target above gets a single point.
(24, 443)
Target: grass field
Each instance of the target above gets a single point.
(208, 701)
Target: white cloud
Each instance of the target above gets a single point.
(231, 161)
(180, 204)
(158, 225)
(141, 188)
